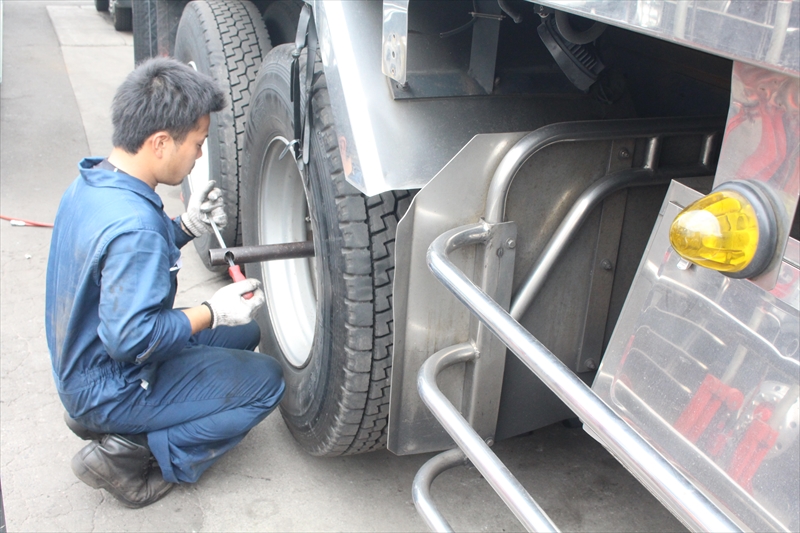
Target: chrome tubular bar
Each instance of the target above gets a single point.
(558, 242)
(585, 131)
(672, 488)
(580, 210)
(499, 477)
(421, 489)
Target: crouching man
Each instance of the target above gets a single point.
(162, 393)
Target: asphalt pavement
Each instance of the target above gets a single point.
(62, 61)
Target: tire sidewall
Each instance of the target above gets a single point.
(191, 44)
(305, 406)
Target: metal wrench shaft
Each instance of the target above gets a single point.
(234, 271)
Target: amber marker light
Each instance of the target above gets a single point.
(732, 230)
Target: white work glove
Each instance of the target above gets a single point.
(228, 306)
(205, 204)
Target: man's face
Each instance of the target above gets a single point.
(181, 157)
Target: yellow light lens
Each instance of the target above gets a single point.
(719, 231)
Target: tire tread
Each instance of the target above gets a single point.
(246, 42)
(377, 218)
(355, 407)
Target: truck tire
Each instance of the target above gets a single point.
(145, 30)
(101, 5)
(226, 40)
(122, 18)
(328, 319)
(281, 18)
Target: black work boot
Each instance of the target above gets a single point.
(125, 469)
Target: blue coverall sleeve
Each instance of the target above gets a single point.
(137, 323)
(180, 236)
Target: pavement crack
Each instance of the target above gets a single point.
(97, 509)
(195, 499)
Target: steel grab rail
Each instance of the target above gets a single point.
(672, 488)
(499, 477)
(421, 488)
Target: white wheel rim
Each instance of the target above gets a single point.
(289, 285)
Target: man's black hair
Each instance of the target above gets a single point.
(162, 94)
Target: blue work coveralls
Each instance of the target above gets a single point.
(124, 361)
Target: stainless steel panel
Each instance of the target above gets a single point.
(568, 243)
(762, 144)
(403, 144)
(354, 125)
(759, 32)
(707, 369)
(426, 317)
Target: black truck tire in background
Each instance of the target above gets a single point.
(101, 5)
(281, 18)
(122, 18)
(226, 40)
(145, 41)
(337, 390)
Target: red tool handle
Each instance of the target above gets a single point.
(236, 275)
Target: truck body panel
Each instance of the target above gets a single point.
(549, 173)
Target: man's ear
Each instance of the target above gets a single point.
(158, 142)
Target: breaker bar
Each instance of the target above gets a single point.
(258, 254)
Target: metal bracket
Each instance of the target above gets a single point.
(479, 78)
(483, 378)
(306, 37)
(395, 39)
(485, 35)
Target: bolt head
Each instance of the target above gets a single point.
(511, 243)
(624, 153)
